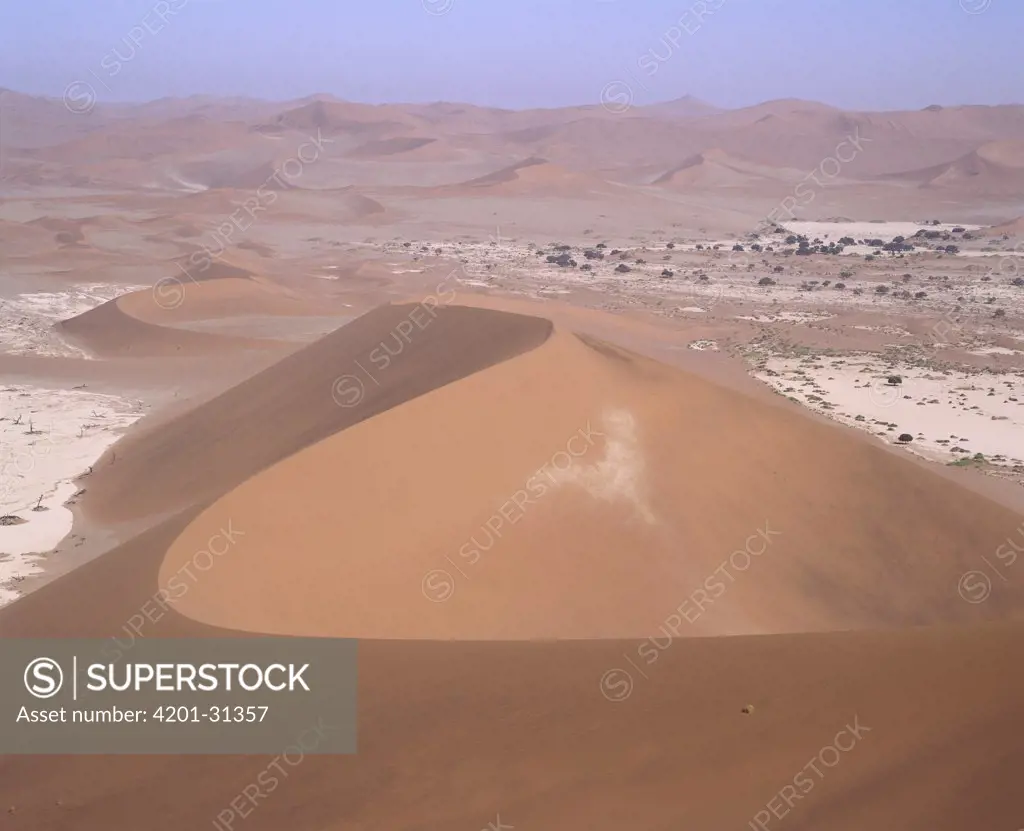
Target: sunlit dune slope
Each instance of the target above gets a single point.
(295, 403)
(182, 300)
(579, 491)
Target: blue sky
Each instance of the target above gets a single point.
(861, 54)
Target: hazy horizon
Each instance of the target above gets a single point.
(531, 54)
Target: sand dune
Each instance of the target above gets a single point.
(534, 175)
(401, 146)
(636, 459)
(218, 298)
(109, 332)
(995, 168)
(29, 238)
(342, 117)
(716, 168)
(1014, 228)
(197, 463)
(147, 140)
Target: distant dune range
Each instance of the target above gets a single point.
(236, 145)
(342, 509)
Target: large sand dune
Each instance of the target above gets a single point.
(995, 168)
(534, 175)
(600, 491)
(716, 168)
(108, 331)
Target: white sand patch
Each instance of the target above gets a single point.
(186, 186)
(43, 529)
(950, 414)
(693, 309)
(47, 438)
(834, 231)
(619, 475)
(895, 331)
(786, 317)
(995, 350)
(704, 345)
(27, 320)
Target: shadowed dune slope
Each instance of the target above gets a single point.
(534, 175)
(716, 168)
(580, 491)
(110, 332)
(911, 730)
(295, 403)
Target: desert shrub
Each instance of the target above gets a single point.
(622, 268)
(766, 281)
